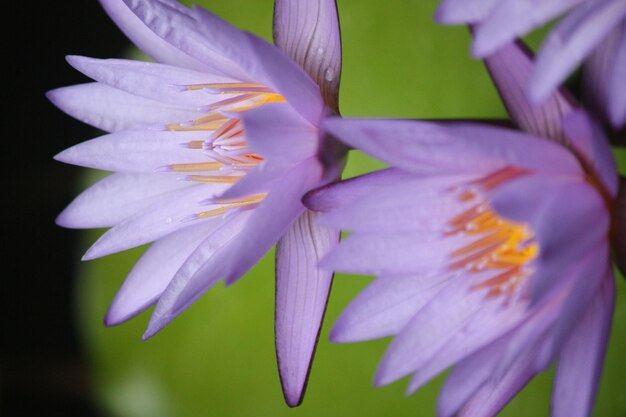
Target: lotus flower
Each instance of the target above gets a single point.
(490, 246)
(212, 148)
(593, 31)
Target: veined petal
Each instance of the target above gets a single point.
(148, 41)
(463, 11)
(510, 68)
(580, 361)
(570, 42)
(154, 271)
(239, 249)
(302, 291)
(111, 110)
(452, 147)
(513, 18)
(115, 198)
(200, 34)
(308, 32)
(153, 81)
(134, 151)
(171, 212)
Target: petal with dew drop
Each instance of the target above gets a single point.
(153, 272)
(308, 32)
(171, 212)
(231, 253)
(302, 291)
(112, 110)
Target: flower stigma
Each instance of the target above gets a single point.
(497, 245)
(222, 139)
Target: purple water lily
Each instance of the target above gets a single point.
(490, 246)
(593, 31)
(212, 148)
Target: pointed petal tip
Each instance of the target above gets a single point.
(293, 397)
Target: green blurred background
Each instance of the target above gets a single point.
(217, 359)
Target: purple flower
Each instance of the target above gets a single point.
(212, 148)
(593, 31)
(490, 246)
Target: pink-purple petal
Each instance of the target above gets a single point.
(463, 11)
(302, 291)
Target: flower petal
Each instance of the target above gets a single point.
(302, 291)
(513, 18)
(154, 271)
(171, 212)
(146, 39)
(616, 86)
(386, 306)
(115, 198)
(308, 32)
(417, 146)
(237, 250)
(580, 362)
(432, 327)
(510, 68)
(570, 42)
(111, 110)
(619, 237)
(153, 81)
(463, 11)
(205, 37)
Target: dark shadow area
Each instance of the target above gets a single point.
(43, 372)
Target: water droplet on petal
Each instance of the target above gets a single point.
(168, 220)
(320, 50)
(329, 74)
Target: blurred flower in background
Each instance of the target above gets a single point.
(591, 31)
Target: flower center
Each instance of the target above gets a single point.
(221, 138)
(498, 245)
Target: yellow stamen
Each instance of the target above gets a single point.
(199, 167)
(215, 179)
